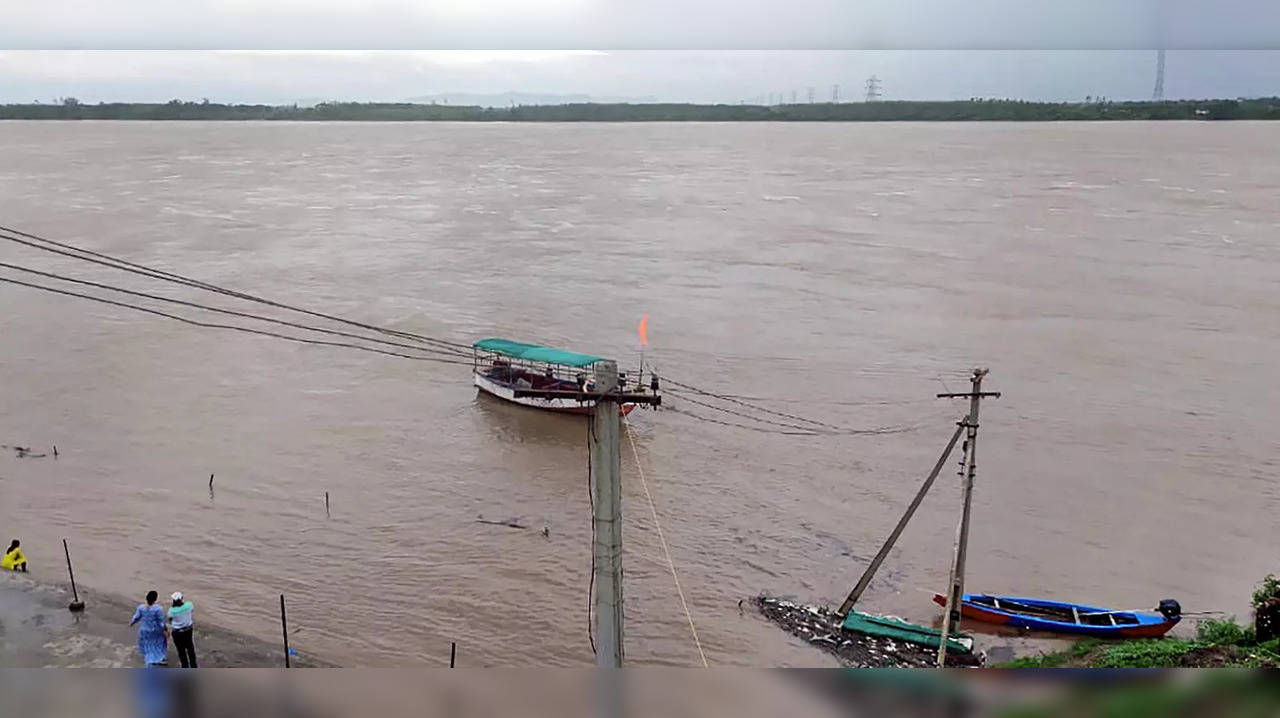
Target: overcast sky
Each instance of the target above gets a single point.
(671, 50)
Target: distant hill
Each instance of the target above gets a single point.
(507, 99)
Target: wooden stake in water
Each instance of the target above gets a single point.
(453, 653)
(326, 504)
(76, 604)
(284, 627)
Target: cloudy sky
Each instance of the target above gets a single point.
(671, 50)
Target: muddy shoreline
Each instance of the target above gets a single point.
(37, 631)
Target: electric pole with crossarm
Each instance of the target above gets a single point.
(955, 587)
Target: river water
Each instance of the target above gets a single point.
(1122, 281)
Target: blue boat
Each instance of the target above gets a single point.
(1059, 617)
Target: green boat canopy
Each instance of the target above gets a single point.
(903, 631)
(533, 352)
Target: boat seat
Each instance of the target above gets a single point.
(1075, 614)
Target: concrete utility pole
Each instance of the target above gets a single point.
(955, 590)
(606, 399)
(606, 522)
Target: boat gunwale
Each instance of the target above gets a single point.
(1144, 620)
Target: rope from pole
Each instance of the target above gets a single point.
(653, 511)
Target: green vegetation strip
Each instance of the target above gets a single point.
(1267, 108)
(1218, 643)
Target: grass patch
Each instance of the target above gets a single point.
(1270, 649)
(1224, 632)
(1074, 654)
(1044, 660)
(1161, 653)
(1144, 653)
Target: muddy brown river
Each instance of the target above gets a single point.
(1121, 280)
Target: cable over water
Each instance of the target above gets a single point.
(213, 325)
(49, 245)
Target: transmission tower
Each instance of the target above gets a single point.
(1158, 93)
(835, 93)
(873, 89)
(810, 95)
(793, 97)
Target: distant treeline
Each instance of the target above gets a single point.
(1267, 108)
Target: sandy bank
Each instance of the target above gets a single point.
(37, 630)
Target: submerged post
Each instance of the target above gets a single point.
(955, 587)
(284, 627)
(606, 522)
(76, 604)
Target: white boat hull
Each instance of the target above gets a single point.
(565, 406)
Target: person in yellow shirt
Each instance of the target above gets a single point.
(13, 559)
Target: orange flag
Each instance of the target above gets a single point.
(644, 331)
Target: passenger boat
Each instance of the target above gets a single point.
(504, 367)
(1040, 615)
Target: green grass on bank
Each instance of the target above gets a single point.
(1218, 642)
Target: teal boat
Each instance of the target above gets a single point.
(512, 371)
(900, 630)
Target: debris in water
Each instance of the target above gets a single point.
(823, 628)
(24, 452)
(510, 523)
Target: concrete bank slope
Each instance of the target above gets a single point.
(37, 631)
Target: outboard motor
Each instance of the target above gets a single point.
(653, 382)
(1170, 609)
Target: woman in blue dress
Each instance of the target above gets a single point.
(153, 636)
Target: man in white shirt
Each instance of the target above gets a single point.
(180, 628)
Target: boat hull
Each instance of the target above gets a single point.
(560, 406)
(1150, 625)
(896, 628)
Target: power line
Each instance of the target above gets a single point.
(761, 430)
(445, 348)
(205, 307)
(744, 415)
(212, 325)
(125, 265)
(829, 402)
(784, 415)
